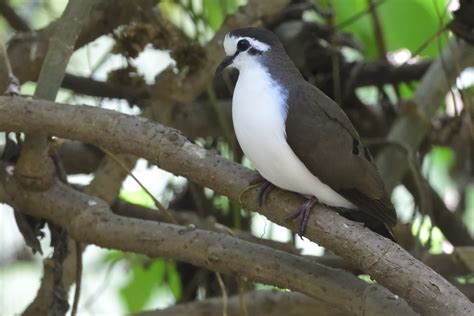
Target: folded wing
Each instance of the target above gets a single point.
(325, 140)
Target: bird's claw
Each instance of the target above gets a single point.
(263, 192)
(303, 212)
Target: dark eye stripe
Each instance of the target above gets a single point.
(253, 51)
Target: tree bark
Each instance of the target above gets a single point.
(425, 290)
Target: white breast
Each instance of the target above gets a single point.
(259, 114)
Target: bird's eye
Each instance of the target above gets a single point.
(242, 45)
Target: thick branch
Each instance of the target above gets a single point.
(385, 261)
(27, 50)
(34, 164)
(446, 265)
(381, 72)
(106, 184)
(186, 218)
(90, 220)
(414, 123)
(78, 157)
(359, 74)
(264, 303)
(102, 89)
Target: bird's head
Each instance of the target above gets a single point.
(243, 47)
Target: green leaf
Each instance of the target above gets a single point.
(139, 197)
(141, 285)
(361, 27)
(406, 91)
(423, 227)
(405, 23)
(232, 5)
(437, 165)
(214, 13)
(112, 256)
(216, 10)
(366, 278)
(410, 23)
(174, 280)
(469, 214)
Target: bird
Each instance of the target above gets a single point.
(298, 138)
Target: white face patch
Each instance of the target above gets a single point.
(230, 44)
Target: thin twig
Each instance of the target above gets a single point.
(103, 285)
(13, 19)
(158, 204)
(443, 62)
(224, 293)
(379, 36)
(77, 293)
(425, 44)
(13, 88)
(357, 16)
(6, 59)
(243, 305)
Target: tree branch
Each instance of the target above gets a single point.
(27, 50)
(425, 290)
(102, 89)
(361, 74)
(15, 21)
(263, 303)
(444, 264)
(106, 185)
(34, 166)
(186, 218)
(381, 72)
(90, 220)
(414, 122)
(79, 158)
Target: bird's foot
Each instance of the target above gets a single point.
(264, 189)
(263, 192)
(303, 212)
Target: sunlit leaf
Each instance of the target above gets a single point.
(406, 91)
(366, 278)
(405, 23)
(112, 255)
(410, 23)
(361, 27)
(436, 167)
(174, 280)
(469, 214)
(214, 12)
(141, 285)
(139, 197)
(425, 231)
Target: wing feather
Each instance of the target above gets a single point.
(325, 140)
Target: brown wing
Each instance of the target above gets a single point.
(325, 140)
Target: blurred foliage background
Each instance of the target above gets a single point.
(412, 32)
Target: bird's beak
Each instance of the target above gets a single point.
(224, 64)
